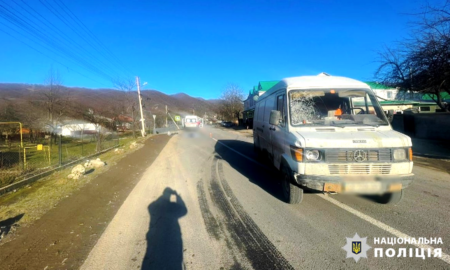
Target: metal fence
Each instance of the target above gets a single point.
(48, 152)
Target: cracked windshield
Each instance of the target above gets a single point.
(224, 134)
(331, 107)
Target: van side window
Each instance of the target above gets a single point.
(282, 109)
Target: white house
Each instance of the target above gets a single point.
(250, 102)
(74, 129)
(384, 92)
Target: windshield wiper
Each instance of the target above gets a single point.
(370, 125)
(356, 124)
(333, 124)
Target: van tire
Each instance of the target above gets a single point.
(391, 198)
(292, 194)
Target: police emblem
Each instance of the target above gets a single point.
(356, 247)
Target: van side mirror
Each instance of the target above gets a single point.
(275, 117)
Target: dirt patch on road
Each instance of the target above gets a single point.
(64, 236)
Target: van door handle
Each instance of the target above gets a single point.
(272, 128)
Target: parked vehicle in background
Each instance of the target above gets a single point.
(191, 121)
(330, 134)
(227, 124)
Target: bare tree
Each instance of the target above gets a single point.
(34, 118)
(100, 118)
(231, 102)
(52, 104)
(130, 100)
(422, 63)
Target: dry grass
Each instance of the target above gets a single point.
(36, 199)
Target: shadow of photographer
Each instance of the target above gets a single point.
(164, 243)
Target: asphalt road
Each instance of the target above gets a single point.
(205, 203)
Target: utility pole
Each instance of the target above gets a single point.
(166, 116)
(140, 106)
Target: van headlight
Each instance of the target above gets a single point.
(312, 155)
(400, 154)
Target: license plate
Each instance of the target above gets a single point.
(362, 187)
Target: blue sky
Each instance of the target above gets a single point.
(198, 47)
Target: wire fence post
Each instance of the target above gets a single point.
(82, 141)
(60, 149)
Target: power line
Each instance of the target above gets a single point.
(70, 42)
(31, 47)
(55, 12)
(98, 41)
(24, 25)
(64, 19)
(91, 93)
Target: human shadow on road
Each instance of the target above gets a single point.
(164, 243)
(7, 224)
(264, 176)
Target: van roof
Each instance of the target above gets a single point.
(322, 80)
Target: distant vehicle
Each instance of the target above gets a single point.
(330, 134)
(227, 124)
(191, 121)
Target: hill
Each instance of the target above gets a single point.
(16, 100)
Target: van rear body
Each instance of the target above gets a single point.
(191, 121)
(330, 134)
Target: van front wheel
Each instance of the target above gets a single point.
(392, 198)
(292, 194)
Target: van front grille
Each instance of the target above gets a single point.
(344, 155)
(360, 169)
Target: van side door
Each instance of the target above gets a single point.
(258, 125)
(268, 107)
(278, 132)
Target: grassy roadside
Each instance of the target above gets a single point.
(28, 204)
(18, 163)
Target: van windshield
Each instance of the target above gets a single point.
(335, 107)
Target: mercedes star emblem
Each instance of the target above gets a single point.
(360, 156)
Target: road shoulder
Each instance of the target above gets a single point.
(64, 236)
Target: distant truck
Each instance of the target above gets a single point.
(330, 134)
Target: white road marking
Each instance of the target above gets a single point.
(445, 257)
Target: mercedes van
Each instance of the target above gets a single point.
(330, 134)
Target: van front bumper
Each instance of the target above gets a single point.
(356, 184)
